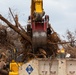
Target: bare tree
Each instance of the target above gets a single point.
(71, 37)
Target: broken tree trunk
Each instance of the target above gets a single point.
(23, 34)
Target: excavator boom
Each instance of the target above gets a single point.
(38, 24)
(36, 7)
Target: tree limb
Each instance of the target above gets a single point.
(16, 20)
(23, 34)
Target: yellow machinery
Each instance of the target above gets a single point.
(38, 24)
(13, 68)
(37, 7)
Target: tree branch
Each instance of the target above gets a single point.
(23, 34)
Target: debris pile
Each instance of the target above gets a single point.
(18, 39)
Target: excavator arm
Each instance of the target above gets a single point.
(38, 24)
(37, 8)
(37, 27)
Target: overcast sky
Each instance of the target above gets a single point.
(62, 13)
